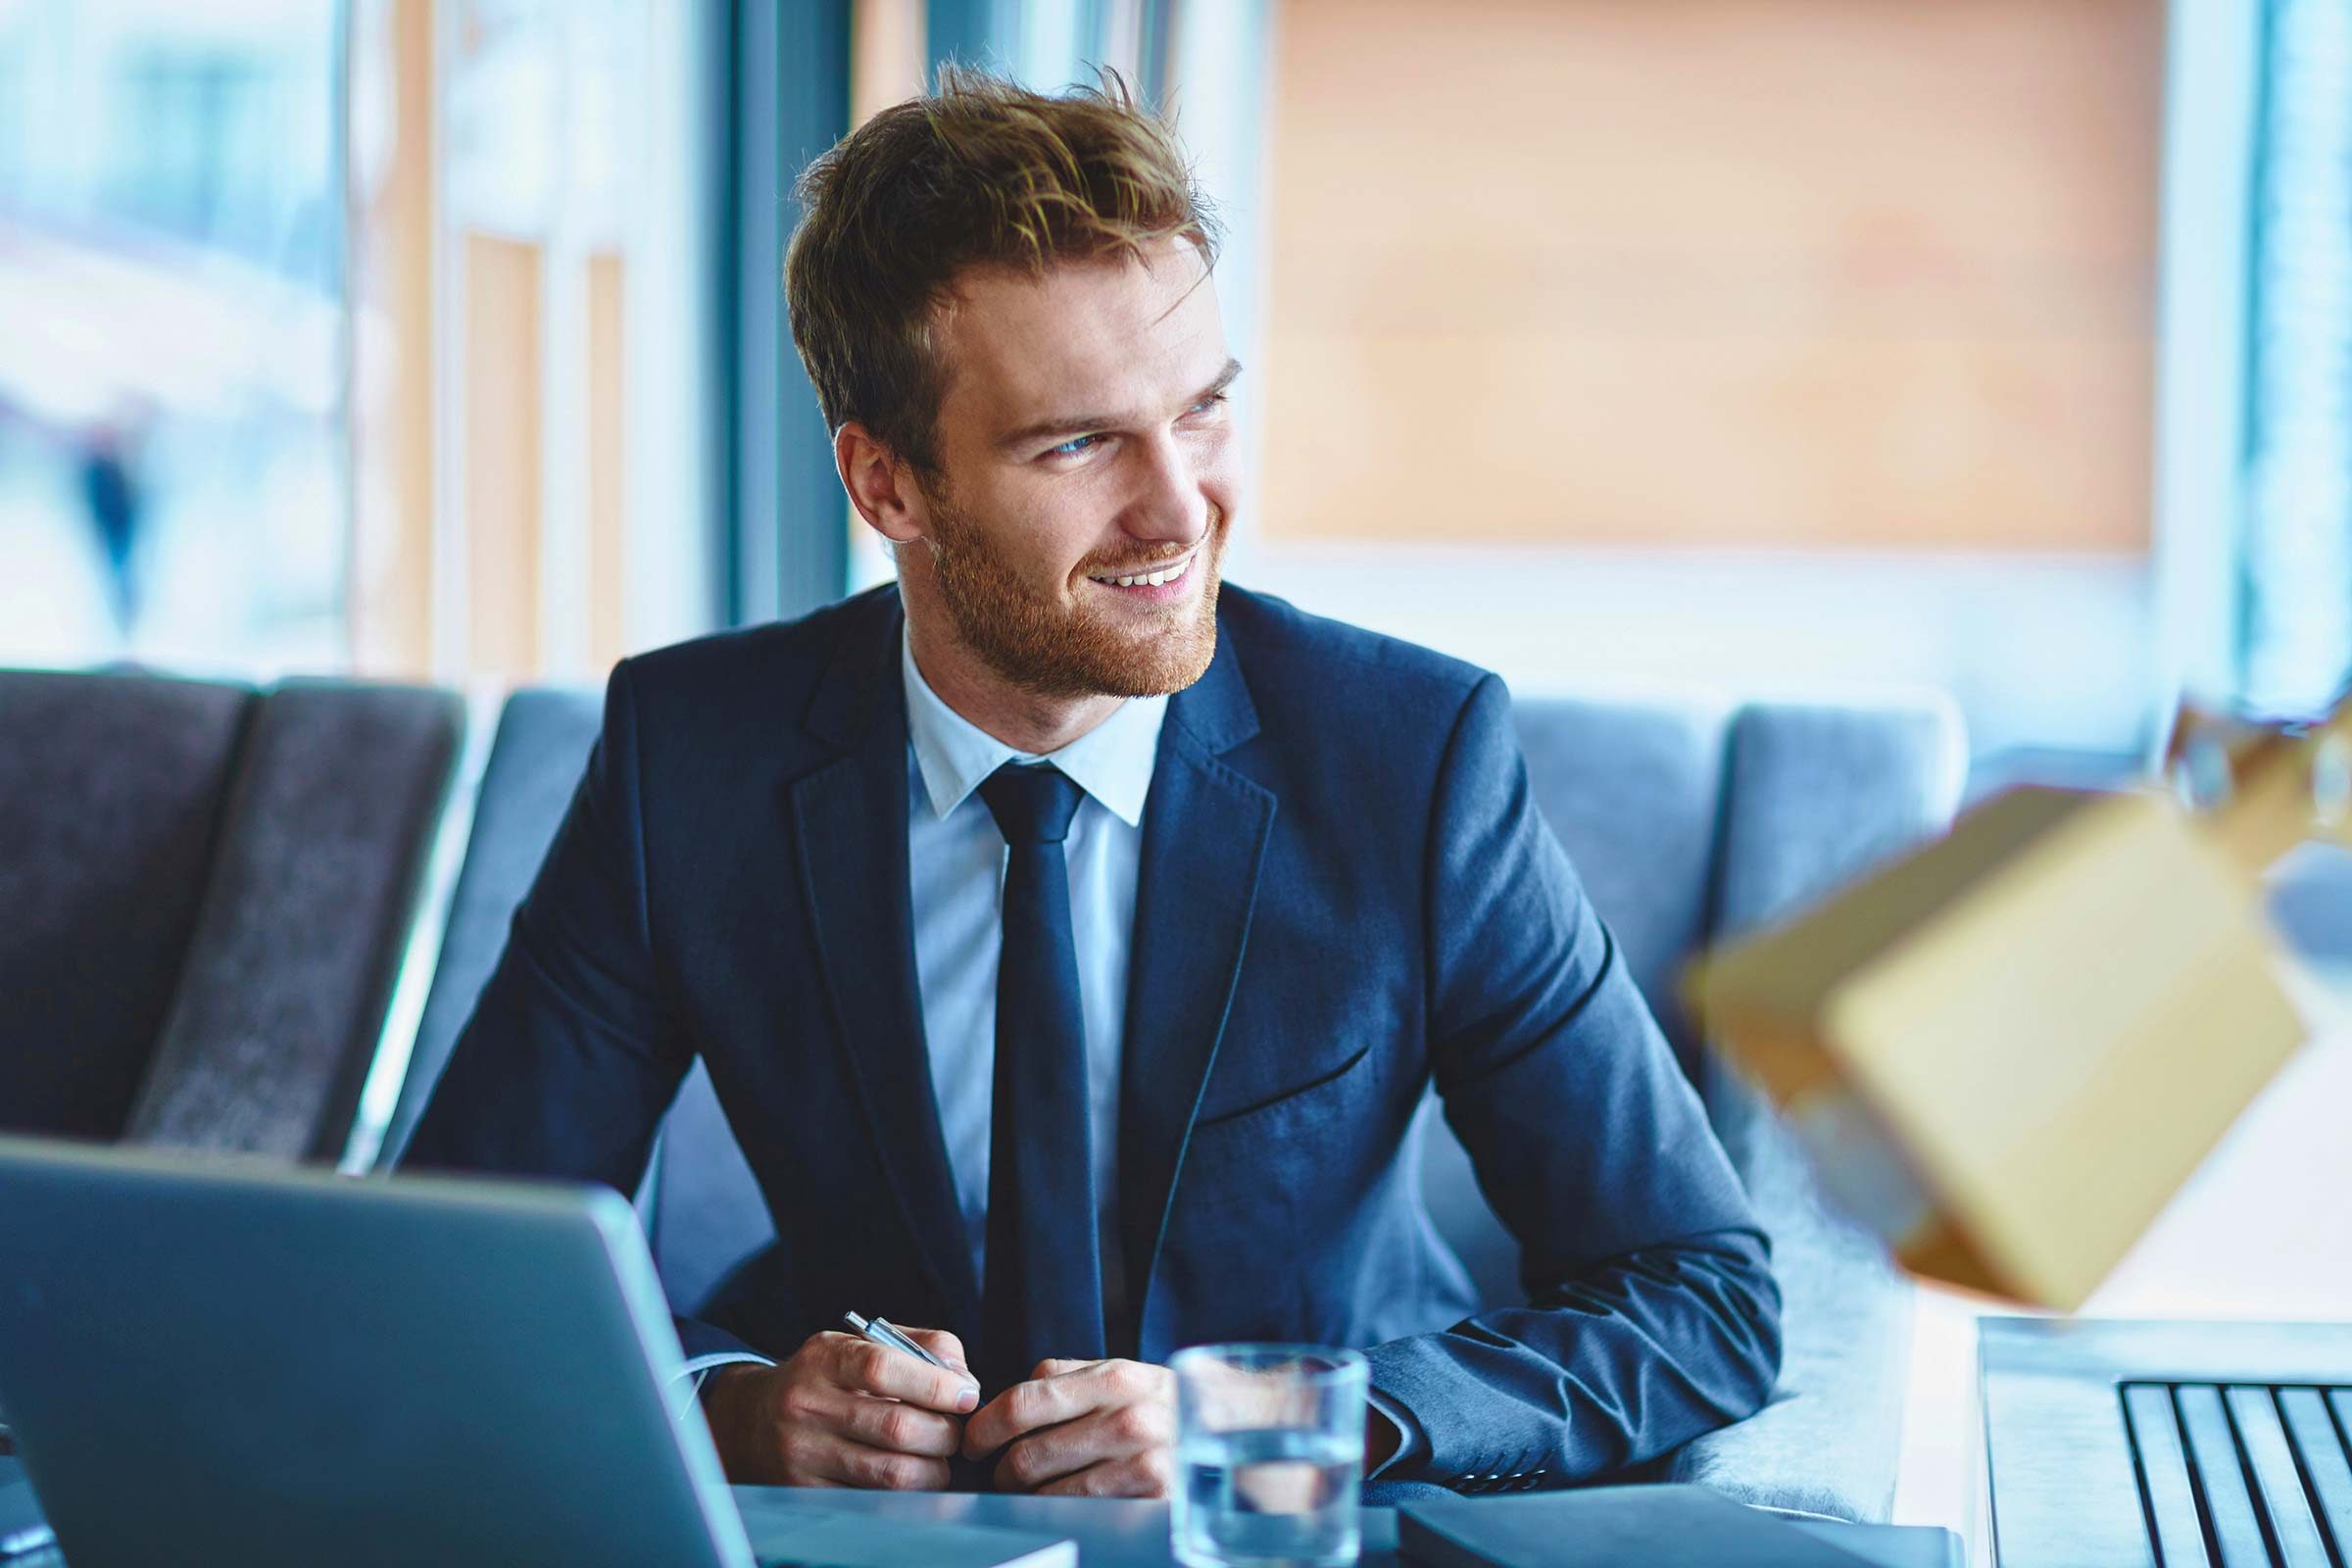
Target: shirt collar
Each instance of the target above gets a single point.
(1112, 761)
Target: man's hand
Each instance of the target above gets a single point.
(1086, 1429)
(843, 1412)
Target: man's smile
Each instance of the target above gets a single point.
(1169, 580)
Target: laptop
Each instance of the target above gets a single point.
(2184, 1444)
(216, 1360)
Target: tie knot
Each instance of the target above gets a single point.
(1032, 803)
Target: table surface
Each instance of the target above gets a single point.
(1127, 1535)
(1109, 1534)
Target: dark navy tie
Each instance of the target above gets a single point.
(1043, 1270)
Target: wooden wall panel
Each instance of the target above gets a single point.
(390, 559)
(605, 457)
(502, 472)
(1838, 274)
(886, 54)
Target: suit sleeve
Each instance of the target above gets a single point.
(1652, 1315)
(570, 1059)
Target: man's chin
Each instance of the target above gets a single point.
(1166, 662)
(1169, 680)
(1105, 664)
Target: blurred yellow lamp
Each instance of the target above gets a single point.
(2005, 1051)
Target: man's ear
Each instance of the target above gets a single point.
(880, 484)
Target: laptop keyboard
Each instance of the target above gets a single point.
(2247, 1475)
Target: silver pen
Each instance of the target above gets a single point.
(882, 1333)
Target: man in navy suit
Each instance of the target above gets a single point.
(1071, 942)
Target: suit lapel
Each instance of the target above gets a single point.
(1204, 837)
(850, 820)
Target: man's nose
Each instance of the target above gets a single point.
(1170, 504)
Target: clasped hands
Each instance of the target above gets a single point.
(847, 1412)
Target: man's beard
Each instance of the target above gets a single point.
(1031, 641)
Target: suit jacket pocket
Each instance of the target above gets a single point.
(1333, 1078)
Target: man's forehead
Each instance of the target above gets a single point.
(1012, 341)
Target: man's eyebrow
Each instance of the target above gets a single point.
(1082, 423)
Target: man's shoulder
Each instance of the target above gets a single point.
(1293, 658)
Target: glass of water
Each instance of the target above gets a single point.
(1269, 1451)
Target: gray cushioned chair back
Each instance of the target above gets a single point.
(281, 1005)
(535, 762)
(1819, 794)
(217, 888)
(111, 795)
(709, 1216)
(1815, 797)
(2310, 897)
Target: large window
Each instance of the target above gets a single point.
(534, 386)
(172, 338)
(2298, 478)
(374, 335)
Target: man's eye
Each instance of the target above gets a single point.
(1208, 402)
(1074, 447)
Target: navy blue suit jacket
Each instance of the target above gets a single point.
(1347, 893)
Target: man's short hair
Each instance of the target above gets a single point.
(979, 172)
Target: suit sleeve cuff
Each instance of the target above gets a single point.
(1411, 1446)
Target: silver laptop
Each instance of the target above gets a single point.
(215, 1362)
(2184, 1444)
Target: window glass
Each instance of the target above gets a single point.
(172, 475)
(2298, 556)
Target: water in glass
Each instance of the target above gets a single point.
(1267, 1496)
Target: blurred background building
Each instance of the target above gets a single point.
(1768, 347)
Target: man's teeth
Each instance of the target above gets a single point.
(1152, 579)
